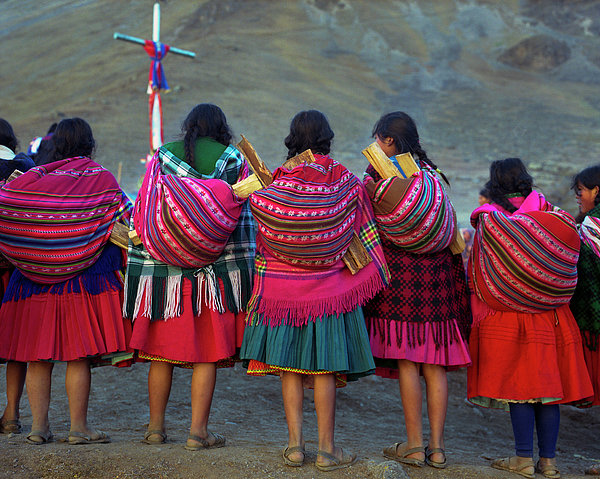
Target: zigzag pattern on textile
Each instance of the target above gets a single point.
(55, 219)
(415, 214)
(185, 221)
(526, 261)
(306, 216)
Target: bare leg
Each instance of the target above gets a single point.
(325, 396)
(437, 405)
(203, 387)
(15, 380)
(160, 377)
(293, 396)
(412, 397)
(77, 383)
(39, 382)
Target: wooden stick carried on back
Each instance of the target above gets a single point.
(386, 169)
(355, 258)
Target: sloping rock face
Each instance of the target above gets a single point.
(540, 53)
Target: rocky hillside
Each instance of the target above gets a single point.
(484, 79)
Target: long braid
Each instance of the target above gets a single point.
(189, 144)
(422, 155)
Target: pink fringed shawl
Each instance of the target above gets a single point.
(295, 294)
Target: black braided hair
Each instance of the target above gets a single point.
(508, 177)
(309, 130)
(7, 135)
(590, 178)
(204, 121)
(402, 128)
(72, 137)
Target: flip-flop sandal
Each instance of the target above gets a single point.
(506, 464)
(10, 426)
(154, 432)
(37, 438)
(430, 462)
(203, 443)
(399, 452)
(291, 450)
(98, 437)
(345, 461)
(547, 470)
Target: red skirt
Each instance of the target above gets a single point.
(592, 360)
(207, 338)
(64, 327)
(521, 357)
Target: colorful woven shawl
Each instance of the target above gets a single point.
(185, 222)
(55, 219)
(153, 287)
(525, 261)
(295, 294)
(415, 213)
(585, 303)
(306, 216)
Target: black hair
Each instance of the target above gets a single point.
(7, 136)
(205, 120)
(309, 129)
(590, 178)
(73, 137)
(508, 176)
(402, 128)
(484, 192)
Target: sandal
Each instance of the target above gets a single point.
(203, 443)
(10, 426)
(510, 464)
(162, 437)
(345, 461)
(291, 450)
(400, 452)
(37, 438)
(430, 462)
(548, 470)
(97, 437)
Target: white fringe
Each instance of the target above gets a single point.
(172, 303)
(145, 286)
(236, 284)
(208, 287)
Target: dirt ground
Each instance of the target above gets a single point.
(249, 412)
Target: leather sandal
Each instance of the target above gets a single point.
(510, 464)
(399, 452)
(291, 450)
(10, 426)
(430, 462)
(161, 439)
(97, 437)
(201, 443)
(347, 460)
(37, 438)
(547, 470)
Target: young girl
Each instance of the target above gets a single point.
(585, 303)
(417, 325)
(525, 344)
(64, 299)
(15, 370)
(305, 323)
(188, 302)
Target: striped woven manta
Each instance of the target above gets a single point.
(415, 213)
(525, 261)
(55, 219)
(185, 221)
(306, 216)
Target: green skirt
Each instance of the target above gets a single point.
(337, 343)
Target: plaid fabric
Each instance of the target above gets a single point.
(585, 303)
(525, 261)
(153, 288)
(56, 219)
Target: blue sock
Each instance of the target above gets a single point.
(522, 417)
(547, 422)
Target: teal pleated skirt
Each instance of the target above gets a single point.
(332, 344)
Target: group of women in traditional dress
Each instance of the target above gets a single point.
(217, 276)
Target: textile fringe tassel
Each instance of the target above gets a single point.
(173, 297)
(144, 291)
(208, 287)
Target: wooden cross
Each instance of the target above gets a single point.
(156, 80)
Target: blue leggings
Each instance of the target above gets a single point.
(546, 419)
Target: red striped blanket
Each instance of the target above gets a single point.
(307, 215)
(55, 219)
(414, 213)
(525, 261)
(184, 221)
